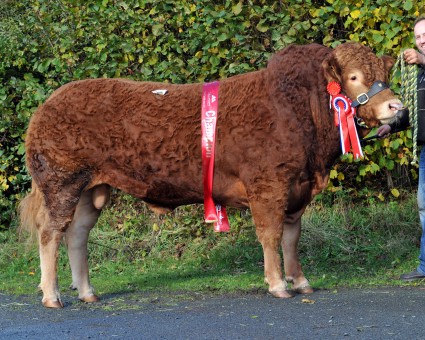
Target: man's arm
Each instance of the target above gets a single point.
(401, 123)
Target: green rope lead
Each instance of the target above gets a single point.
(408, 94)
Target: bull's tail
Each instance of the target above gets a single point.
(32, 212)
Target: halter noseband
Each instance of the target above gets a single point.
(363, 98)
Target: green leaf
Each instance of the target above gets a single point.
(222, 37)
(214, 60)
(395, 192)
(158, 29)
(377, 37)
(374, 168)
(390, 164)
(395, 144)
(262, 26)
(407, 5)
(237, 8)
(21, 149)
(355, 14)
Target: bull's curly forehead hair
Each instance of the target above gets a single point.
(361, 57)
(419, 19)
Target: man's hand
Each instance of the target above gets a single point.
(411, 56)
(384, 131)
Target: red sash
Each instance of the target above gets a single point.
(213, 213)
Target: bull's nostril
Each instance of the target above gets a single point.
(396, 106)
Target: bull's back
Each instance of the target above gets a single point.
(105, 118)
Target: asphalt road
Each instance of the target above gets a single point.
(382, 313)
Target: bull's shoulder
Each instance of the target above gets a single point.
(298, 66)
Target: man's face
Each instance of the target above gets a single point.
(419, 31)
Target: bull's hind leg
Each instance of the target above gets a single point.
(58, 216)
(291, 236)
(61, 192)
(269, 226)
(85, 217)
(49, 239)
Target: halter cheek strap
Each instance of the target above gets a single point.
(363, 98)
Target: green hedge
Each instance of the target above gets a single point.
(47, 43)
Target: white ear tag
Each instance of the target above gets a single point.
(160, 92)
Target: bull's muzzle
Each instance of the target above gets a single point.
(401, 118)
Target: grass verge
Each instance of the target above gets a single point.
(342, 245)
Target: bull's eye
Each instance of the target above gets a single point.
(353, 78)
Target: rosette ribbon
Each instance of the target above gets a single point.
(344, 115)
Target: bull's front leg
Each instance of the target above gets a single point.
(269, 227)
(291, 236)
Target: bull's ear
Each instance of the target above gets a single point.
(388, 63)
(331, 69)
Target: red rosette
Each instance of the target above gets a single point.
(333, 88)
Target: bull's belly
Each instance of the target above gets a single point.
(165, 190)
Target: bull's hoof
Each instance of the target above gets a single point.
(90, 298)
(281, 294)
(304, 289)
(52, 303)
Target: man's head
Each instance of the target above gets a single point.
(419, 31)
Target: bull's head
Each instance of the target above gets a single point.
(363, 78)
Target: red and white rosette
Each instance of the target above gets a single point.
(344, 119)
(213, 213)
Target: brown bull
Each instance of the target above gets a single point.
(276, 142)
